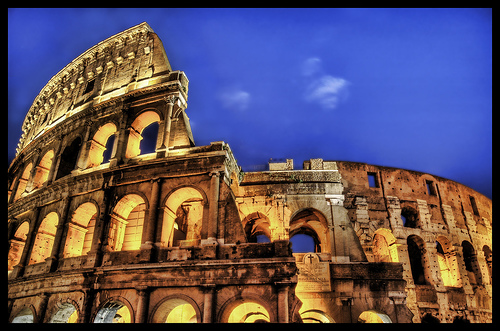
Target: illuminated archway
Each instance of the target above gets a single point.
(42, 247)
(311, 223)
(17, 244)
(135, 132)
(127, 221)
(65, 313)
(42, 170)
(23, 181)
(256, 225)
(114, 311)
(316, 316)
(183, 217)
(372, 316)
(447, 261)
(384, 246)
(80, 230)
(26, 315)
(176, 310)
(246, 311)
(98, 144)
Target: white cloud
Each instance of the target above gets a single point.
(327, 91)
(323, 89)
(234, 99)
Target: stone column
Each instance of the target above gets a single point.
(170, 100)
(58, 242)
(213, 206)
(283, 315)
(340, 222)
(142, 304)
(150, 226)
(209, 296)
(43, 307)
(122, 141)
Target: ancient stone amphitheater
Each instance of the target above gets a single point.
(103, 228)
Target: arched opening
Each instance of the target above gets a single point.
(175, 311)
(42, 247)
(183, 218)
(149, 137)
(80, 230)
(316, 316)
(246, 311)
(101, 145)
(136, 133)
(127, 221)
(69, 158)
(66, 313)
(384, 246)
(308, 232)
(256, 228)
(113, 312)
(447, 261)
(42, 170)
(471, 263)
(410, 217)
(488, 256)
(23, 180)
(17, 244)
(416, 255)
(24, 316)
(372, 316)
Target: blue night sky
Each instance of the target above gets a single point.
(405, 88)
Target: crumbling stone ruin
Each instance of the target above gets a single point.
(103, 228)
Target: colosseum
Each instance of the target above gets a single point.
(103, 229)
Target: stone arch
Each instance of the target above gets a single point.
(23, 181)
(143, 120)
(448, 264)
(471, 263)
(316, 316)
(184, 214)
(176, 308)
(127, 220)
(44, 240)
(42, 169)
(384, 246)
(69, 158)
(311, 222)
(418, 260)
(373, 316)
(99, 144)
(115, 310)
(65, 312)
(81, 230)
(256, 224)
(25, 314)
(17, 244)
(246, 309)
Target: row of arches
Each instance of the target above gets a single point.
(142, 138)
(385, 250)
(184, 211)
(183, 309)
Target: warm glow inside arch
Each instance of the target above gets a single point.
(80, 230)
(183, 218)
(98, 144)
(135, 131)
(42, 247)
(127, 221)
